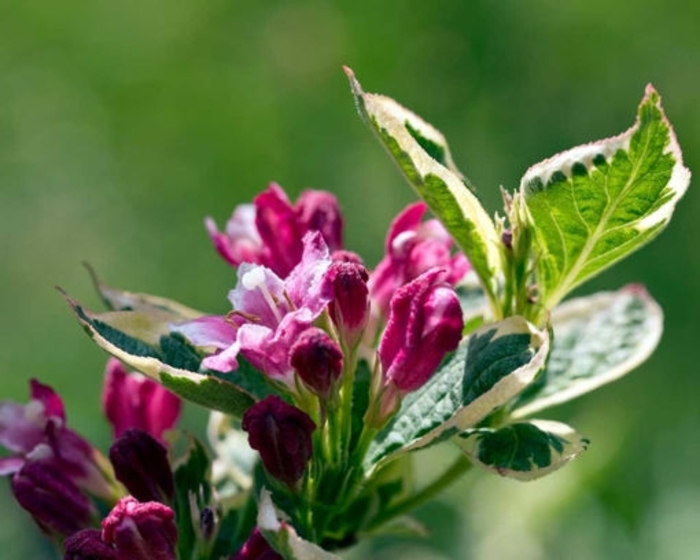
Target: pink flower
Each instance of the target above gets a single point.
(131, 400)
(412, 247)
(269, 232)
(268, 314)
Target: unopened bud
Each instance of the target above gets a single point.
(318, 360)
(141, 464)
(349, 307)
(281, 433)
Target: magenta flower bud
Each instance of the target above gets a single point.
(343, 255)
(318, 360)
(132, 400)
(54, 501)
(281, 433)
(425, 322)
(319, 211)
(349, 307)
(256, 548)
(141, 531)
(141, 464)
(88, 545)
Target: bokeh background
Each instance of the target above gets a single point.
(122, 124)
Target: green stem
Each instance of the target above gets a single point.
(458, 468)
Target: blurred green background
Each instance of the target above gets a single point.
(122, 124)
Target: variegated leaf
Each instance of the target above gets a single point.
(591, 206)
(490, 368)
(523, 451)
(424, 157)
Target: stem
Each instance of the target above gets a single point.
(458, 468)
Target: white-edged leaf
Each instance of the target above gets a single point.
(524, 451)
(140, 340)
(597, 339)
(282, 536)
(593, 205)
(424, 157)
(491, 367)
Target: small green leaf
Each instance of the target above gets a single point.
(423, 155)
(135, 337)
(489, 368)
(191, 488)
(282, 536)
(597, 339)
(522, 451)
(593, 205)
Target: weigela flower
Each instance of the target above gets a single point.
(281, 433)
(269, 232)
(318, 360)
(425, 322)
(256, 548)
(37, 432)
(268, 314)
(132, 400)
(141, 464)
(413, 247)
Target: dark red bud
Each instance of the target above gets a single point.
(281, 433)
(141, 464)
(318, 360)
(52, 498)
(256, 548)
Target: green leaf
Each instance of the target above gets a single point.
(423, 155)
(593, 205)
(489, 368)
(597, 339)
(135, 338)
(191, 488)
(119, 300)
(282, 536)
(522, 451)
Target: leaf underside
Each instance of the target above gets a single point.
(597, 339)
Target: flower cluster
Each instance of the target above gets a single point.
(306, 314)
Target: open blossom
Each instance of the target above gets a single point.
(37, 432)
(268, 314)
(269, 232)
(413, 247)
(132, 400)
